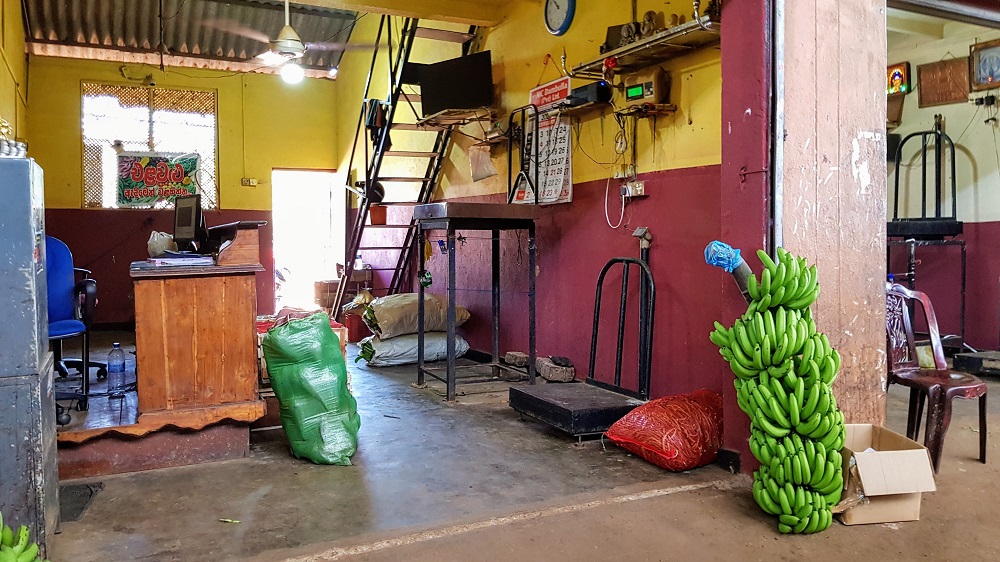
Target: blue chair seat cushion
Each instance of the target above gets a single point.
(66, 328)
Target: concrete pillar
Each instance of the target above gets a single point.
(832, 178)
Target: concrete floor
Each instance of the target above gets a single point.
(470, 481)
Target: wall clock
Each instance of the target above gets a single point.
(559, 15)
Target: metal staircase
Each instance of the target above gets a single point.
(390, 247)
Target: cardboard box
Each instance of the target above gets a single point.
(884, 485)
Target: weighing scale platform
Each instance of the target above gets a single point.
(924, 229)
(576, 408)
(980, 363)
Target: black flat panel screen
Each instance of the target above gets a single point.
(462, 83)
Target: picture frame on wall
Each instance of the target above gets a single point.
(984, 65)
(943, 82)
(897, 79)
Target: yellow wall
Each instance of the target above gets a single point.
(263, 124)
(691, 137)
(13, 81)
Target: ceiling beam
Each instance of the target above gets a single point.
(911, 26)
(469, 12)
(975, 12)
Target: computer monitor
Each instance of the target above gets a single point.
(462, 83)
(189, 224)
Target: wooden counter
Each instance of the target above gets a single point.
(196, 345)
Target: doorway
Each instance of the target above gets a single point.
(308, 209)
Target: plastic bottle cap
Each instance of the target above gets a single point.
(116, 345)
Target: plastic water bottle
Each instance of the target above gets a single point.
(116, 372)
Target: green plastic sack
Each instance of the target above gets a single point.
(309, 378)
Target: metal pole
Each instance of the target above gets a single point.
(451, 314)
(420, 308)
(531, 303)
(621, 325)
(495, 250)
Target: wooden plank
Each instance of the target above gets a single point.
(150, 343)
(183, 271)
(211, 322)
(243, 250)
(443, 35)
(190, 418)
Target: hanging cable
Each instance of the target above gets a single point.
(607, 217)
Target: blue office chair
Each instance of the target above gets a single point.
(71, 311)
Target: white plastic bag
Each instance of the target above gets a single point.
(482, 165)
(402, 350)
(160, 242)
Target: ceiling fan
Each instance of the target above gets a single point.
(287, 46)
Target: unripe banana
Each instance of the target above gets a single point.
(811, 402)
(781, 319)
(786, 507)
(767, 426)
(765, 285)
(789, 520)
(766, 260)
(779, 295)
(810, 425)
(767, 317)
(778, 280)
(753, 287)
(29, 553)
(740, 371)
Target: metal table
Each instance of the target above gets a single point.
(494, 217)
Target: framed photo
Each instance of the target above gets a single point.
(943, 82)
(897, 79)
(984, 65)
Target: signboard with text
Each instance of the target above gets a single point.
(146, 178)
(555, 162)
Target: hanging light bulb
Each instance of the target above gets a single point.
(292, 73)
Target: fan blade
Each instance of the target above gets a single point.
(271, 58)
(236, 28)
(329, 46)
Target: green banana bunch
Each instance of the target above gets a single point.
(785, 370)
(14, 547)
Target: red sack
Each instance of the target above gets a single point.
(674, 432)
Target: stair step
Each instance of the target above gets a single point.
(379, 248)
(413, 98)
(413, 180)
(399, 203)
(390, 226)
(443, 35)
(410, 154)
(415, 127)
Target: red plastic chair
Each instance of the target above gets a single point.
(939, 385)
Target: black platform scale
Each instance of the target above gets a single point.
(592, 406)
(978, 363)
(927, 226)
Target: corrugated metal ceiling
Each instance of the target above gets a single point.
(190, 28)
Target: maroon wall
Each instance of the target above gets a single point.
(574, 242)
(938, 275)
(106, 241)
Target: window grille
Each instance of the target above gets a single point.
(145, 119)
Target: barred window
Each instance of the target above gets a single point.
(149, 119)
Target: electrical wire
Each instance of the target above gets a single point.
(607, 217)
